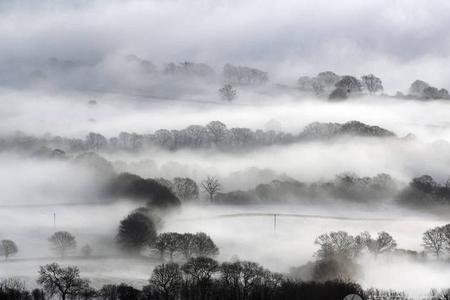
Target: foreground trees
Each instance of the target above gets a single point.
(205, 278)
(167, 279)
(199, 278)
(65, 282)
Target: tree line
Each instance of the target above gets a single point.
(214, 135)
(195, 274)
(200, 278)
(341, 87)
(324, 84)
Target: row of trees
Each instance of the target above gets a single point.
(186, 244)
(338, 251)
(426, 193)
(231, 74)
(341, 244)
(346, 186)
(339, 87)
(200, 278)
(187, 189)
(422, 90)
(137, 232)
(160, 192)
(61, 242)
(242, 75)
(214, 135)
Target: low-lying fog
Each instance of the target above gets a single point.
(68, 69)
(38, 197)
(246, 237)
(70, 115)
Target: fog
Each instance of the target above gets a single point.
(399, 40)
(70, 115)
(109, 67)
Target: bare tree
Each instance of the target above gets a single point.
(62, 242)
(334, 244)
(168, 279)
(212, 186)
(382, 244)
(63, 281)
(434, 241)
(8, 248)
(228, 93)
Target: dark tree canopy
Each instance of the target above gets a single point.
(133, 186)
(135, 232)
(349, 84)
(338, 94)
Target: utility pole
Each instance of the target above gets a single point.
(275, 223)
(54, 219)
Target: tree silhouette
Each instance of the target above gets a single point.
(434, 241)
(168, 279)
(211, 186)
(62, 242)
(63, 281)
(8, 248)
(135, 231)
